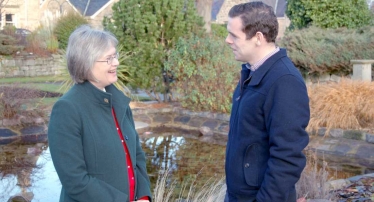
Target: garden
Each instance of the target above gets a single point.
(168, 61)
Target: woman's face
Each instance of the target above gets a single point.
(105, 69)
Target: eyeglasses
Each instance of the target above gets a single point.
(110, 59)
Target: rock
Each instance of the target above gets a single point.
(337, 184)
(34, 150)
(23, 197)
(205, 131)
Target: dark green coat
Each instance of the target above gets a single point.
(86, 150)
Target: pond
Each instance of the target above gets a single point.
(188, 156)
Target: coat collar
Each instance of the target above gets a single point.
(112, 96)
(265, 67)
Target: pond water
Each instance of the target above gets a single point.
(188, 157)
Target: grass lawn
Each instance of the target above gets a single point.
(31, 79)
(45, 83)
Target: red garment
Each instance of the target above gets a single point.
(130, 172)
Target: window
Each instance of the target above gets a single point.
(9, 19)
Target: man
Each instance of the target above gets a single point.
(270, 112)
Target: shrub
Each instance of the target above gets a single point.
(328, 13)
(149, 29)
(65, 26)
(205, 73)
(315, 51)
(347, 104)
(37, 42)
(16, 101)
(219, 30)
(8, 45)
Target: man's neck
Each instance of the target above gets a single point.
(263, 51)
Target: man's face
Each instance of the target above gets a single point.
(243, 48)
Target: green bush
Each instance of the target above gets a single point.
(9, 30)
(219, 30)
(8, 45)
(314, 50)
(65, 26)
(329, 13)
(206, 73)
(149, 29)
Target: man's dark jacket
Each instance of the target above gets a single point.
(270, 112)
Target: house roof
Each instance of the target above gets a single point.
(93, 7)
(280, 10)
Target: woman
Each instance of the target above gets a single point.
(92, 138)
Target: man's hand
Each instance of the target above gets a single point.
(301, 200)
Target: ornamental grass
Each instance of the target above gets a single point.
(347, 104)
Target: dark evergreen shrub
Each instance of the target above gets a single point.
(65, 26)
(314, 50)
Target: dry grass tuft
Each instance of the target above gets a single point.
(347, 104)
(312, 183)
(213, 190)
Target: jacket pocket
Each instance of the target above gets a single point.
(251, 165)
(99, 176)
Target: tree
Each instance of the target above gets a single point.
(328, 13)
(148, 29)
(3, 3)
(204, 9)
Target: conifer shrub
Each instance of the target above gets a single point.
(65, 26)
(316, 51)
(149, 30)
(329, 14)
(205, 73)
(8, 45)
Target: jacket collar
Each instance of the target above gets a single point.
(265, 67)
(112, 96)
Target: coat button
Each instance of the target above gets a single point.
(246, 165)
(126, 137)
(106, 100)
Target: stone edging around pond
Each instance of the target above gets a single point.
(218, 123)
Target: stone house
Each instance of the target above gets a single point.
(221, 9)
(29, 14)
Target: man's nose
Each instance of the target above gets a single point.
(228, 40)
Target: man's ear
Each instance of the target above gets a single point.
(259, 38)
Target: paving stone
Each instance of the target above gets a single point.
(336, 133)
(160, 118)
(196, 121)
(342, 148)
(370, 138)
(321, 131)
(354, 135)
(211, 123)
(143, 118)
(224, 127)
(34, 138)
(4, 132)
(4, 141)
(365, 151)
(32, 129)
(182, 119)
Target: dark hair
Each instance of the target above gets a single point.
(256, 17)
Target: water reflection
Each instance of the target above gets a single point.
(28, 169)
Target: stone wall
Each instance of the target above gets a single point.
(29, 66)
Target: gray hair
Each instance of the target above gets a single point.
(85, 47)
